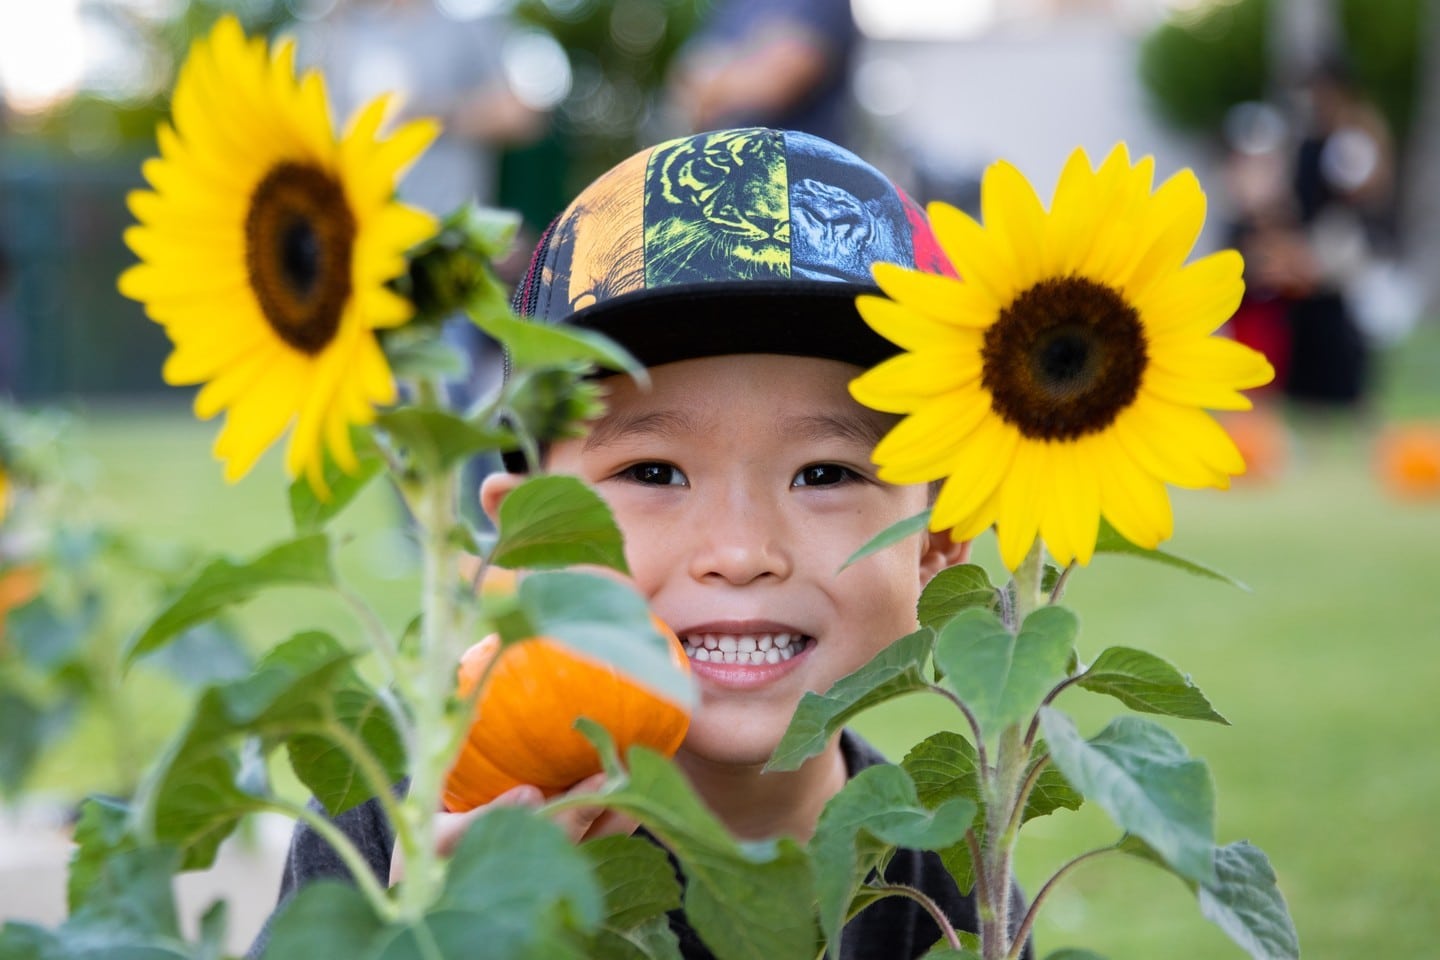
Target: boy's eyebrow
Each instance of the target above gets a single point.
(661, 423)
(854, 428)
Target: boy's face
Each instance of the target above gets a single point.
(742, 483)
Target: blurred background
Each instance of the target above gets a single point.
(1314, 126)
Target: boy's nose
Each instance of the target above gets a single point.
(739, 544)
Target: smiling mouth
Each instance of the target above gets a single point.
(745, 649)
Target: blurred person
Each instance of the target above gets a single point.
(778, 63)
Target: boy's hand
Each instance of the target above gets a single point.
(582, 823)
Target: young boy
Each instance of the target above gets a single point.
(728, 262)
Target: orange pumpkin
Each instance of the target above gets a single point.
(524, 729)
(1408, 460)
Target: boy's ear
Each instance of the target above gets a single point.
(939, 551)
(495, 488)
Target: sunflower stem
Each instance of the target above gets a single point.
(441, 636)
(1028, 580)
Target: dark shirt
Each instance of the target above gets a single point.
(895, 928)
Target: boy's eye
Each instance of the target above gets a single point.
(658, 474)
(823, 475)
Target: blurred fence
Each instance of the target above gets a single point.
(64, 328)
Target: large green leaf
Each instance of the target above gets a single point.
(605, 620)
(944, 766)
(955, 589)
(896, 670)
(309, 512)
(876, 811)
(304, 688)
(436, 439)
(222, 584)
(1140, 774)
(1109, 540)
(511, 871)
(747, 902)
(555, 521)
(635, 878)
(651, 940)
(1242, 898)
(1051, 791)
(891, 535)
(531, 344)
(325, 919)
(1145, 682)
(1002, 677)
(1245, 901)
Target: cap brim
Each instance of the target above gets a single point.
(801, 318)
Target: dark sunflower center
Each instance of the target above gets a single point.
(1064, 359)
(299, 236)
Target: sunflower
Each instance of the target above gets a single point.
(266, 244)
(1065, 376)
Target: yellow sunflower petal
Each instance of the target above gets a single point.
(912, 329)
(919, 375)
(1016, 219)
(1017, 519)
(1071, 494)
(1175, 215)
(1192, 391)
(1194, 301)
(973, 253)
(946, 299)
(1215, 359)
(1132, 499)
(981, 466)
(925, 445)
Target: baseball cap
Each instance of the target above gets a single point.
(747, 240)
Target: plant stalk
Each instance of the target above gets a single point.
(433, 680)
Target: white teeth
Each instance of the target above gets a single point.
(752, 650)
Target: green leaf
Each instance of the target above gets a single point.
(651, 940)
(890, 535)
(944, 952)
(208, 653)
(1051, 791)
(326, 918)
(129, 910)
(102, 831)
(310, 513)
(24, 724)
(1142, 777)
(635, 878)
(222, 584)
(1002, 677)
(1110, 541)
(303, 689)
(954, 589)
(944, 766)
(425, 357)
(605, 620)
(1145, 682)
(555, 521)
(745, 901)
(876, 811)
(1245, 901)
(896, 670)
(533, 344)
(436, 439)
(513, 868)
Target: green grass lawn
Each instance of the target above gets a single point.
(1325, 669)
